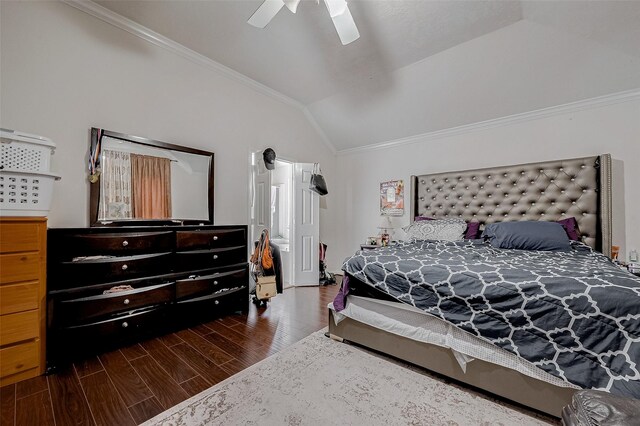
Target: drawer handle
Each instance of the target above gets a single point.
(216, 302)
(215, 238)
(126, 301)
(125, 267)
(125, 324)
(125, 243)
(215, 283)
(215, 256)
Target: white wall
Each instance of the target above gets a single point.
(63, 71)
(613, 129)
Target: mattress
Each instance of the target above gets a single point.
(410, 322)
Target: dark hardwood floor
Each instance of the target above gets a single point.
(133, 384)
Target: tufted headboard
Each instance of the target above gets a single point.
(550, 190)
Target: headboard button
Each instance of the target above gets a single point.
(582, 166)
(505, 215)
(573, 179)
(446, 180)
(423, 181)
(505, 175)
(541, 214)
(421, 198)
(481, 187)
(573, 202)
(561, 169)
(584, 190)
(489, 195)
(552, 180)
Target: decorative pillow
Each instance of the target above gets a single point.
(570, 226)
(440, 229)
(473, 231)
(527, 235)
(421, 218)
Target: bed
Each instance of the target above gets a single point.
(452, 346)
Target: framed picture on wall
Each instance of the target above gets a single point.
(392, 198)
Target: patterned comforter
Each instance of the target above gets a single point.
(573, 314)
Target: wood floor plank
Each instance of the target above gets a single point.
(130, 386)
(195, 386)
(35, 410)
(106, 405)
(202, 364)
(133, 352)
(235, 366)
(31, 386)
(167, 359)
(171, 339)
(216, 354)
(88, 366)
(201, 329)
(167, 391)
(143, 411)
(8, 405)
(70, 406)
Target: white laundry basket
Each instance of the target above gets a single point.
(25, 152)
(26, 184)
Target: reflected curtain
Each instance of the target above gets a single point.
(115, 193)
(151, 187)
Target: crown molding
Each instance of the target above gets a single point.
(159, 40)
(597, 102)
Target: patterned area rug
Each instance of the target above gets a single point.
(318, 381)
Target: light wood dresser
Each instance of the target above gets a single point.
(23, 242)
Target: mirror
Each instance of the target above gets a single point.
(139, 181)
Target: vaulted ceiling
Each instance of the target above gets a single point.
(419, 66)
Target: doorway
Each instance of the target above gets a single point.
(282, 202)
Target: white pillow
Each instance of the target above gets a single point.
(441, 229)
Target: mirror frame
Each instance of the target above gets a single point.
(94, 188)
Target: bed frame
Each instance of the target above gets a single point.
(552, 190)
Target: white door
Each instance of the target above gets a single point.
(306, 227)
(261, 198)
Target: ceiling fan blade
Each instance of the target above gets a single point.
(265, 13)
(344, 23)
(292, 5)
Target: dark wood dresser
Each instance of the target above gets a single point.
(175, 275)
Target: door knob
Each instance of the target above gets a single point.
(125, 324)
(125, 267)
(126, 301)
(215, 256)
(215, 238)
(125, 243)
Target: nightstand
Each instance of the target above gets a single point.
(369, 246)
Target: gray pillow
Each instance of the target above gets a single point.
(528, 235)
(441, 229)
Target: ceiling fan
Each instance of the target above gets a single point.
(338, 10)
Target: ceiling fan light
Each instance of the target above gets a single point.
(292, 5)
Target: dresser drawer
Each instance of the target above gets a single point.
(230, 300)
(210, 238)
(207, 284)
(205, 259)
(17, 358)
(121, 244)
(82, 309)
(19, 267)
(18, 327)
(112, 269)
(18, 237)
(18, 297)
(121, 327)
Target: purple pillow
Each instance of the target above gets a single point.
(473, 231)
(570, 226)
(421, 218)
